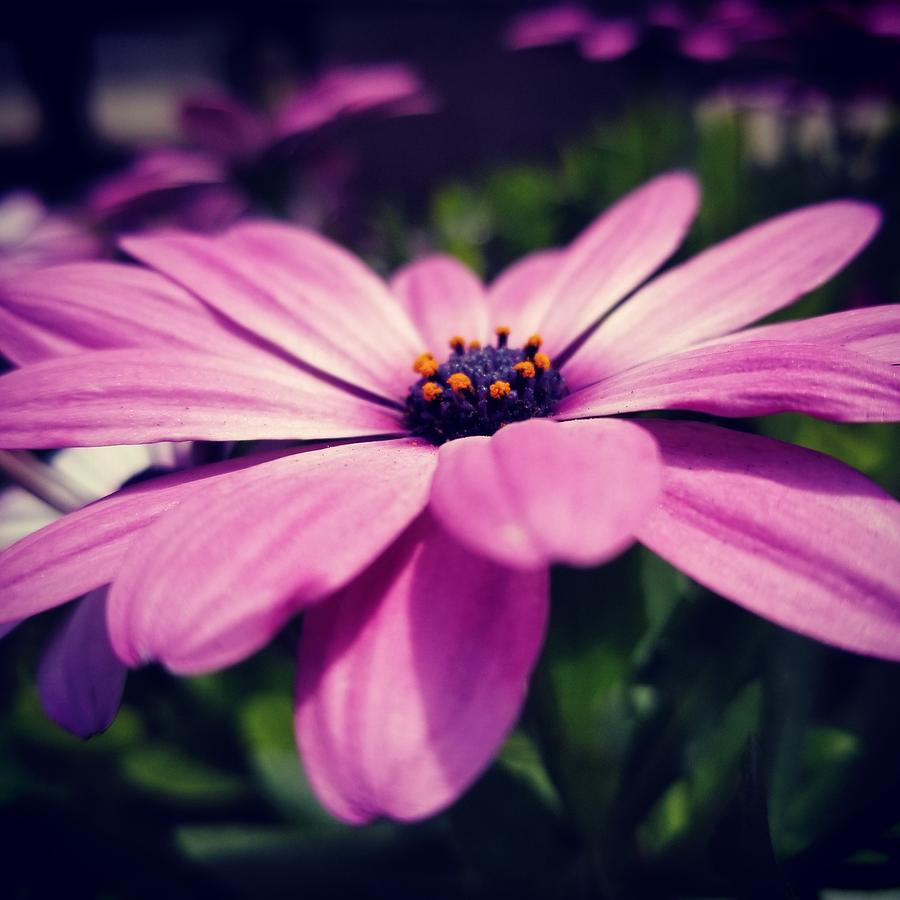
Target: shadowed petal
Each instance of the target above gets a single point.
(411, 677)
(143, 396)
(873, 331)
(299, 291)
(443, 298)
(80, 680)
(790, 534)
(222, 126)
(552, 25)
(726, 287)
(102, 305)
(515, 297)
(83, 550)
(613, 256)
(538, 492)
(203, 590)
(755, 378)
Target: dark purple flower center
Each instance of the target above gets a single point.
(478, 390)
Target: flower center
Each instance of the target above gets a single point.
(480, 389)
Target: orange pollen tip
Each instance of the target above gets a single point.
(431, 391)
(542, 361)
(525, 369)
(426, 365)
(502, 330)
(474, 345)
(457, 342)
(534, 341)
(500, 389)
(459, 381)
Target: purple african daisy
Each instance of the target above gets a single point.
(416, 516)
(203, 186)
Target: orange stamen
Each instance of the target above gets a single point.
(534, 341)
(459, 381)
(500, 389)
(431, 391)
(474, 345)
(426, 365)
(457, 343)
(542, 361)
(525, 369)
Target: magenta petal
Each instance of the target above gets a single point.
(752, 378)
(790, 534)
(614, 255)
(539, 492)
(216, 579)
(143, 396)
(728, 286)
(83, 550)
(299, 291)
(443, 298)
(873, 331)
(516, 297)
(103, 305)
(389, 88)
(609, 39)
(552, 25)
(80, 680)
(412, 676)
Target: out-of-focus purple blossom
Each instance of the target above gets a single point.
(881, 19)
(31, 236)
(232, 149)
(724, 29)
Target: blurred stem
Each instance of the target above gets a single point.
(41, 480)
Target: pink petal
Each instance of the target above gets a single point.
(552, 25)
(792, 535)
(516, 297)
(222, 126)
(728, 286)
(299, 291)
(218, 577)
(412, 676)
(100, 305)
(613, 256)
(83, 550)
(80, 680)
(155, 172)
(610, 39)
(390, 88)
(538, 492)
(707, 43)
(143, 396)
(752, 378)
(873, 331)
(443, 298)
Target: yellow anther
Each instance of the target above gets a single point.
(525, 368)
(474, 345)
(459, 381)
(431, 391)
(542, 361)
(426, 365)
(534, 341)
(500, 389)
(502, 331)
(457, 343)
